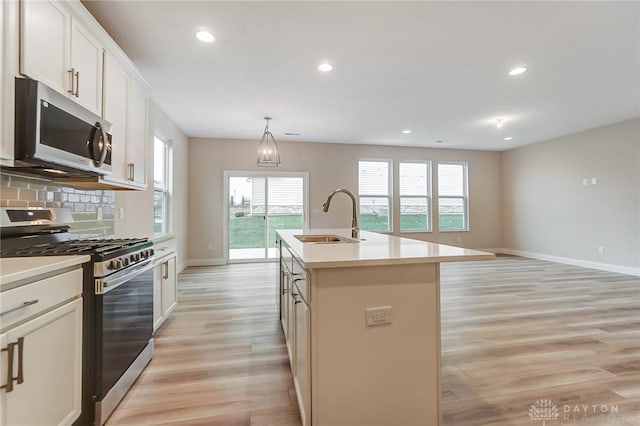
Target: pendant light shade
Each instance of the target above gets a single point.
(268, 155)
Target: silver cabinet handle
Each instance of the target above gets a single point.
(131, 171)
(71, 81)
(17, 308)
(10, 355)
(77, 84)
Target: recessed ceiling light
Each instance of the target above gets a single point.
(499, 122)
(517, 71)
(406, 132)
(325, 67)
(205, 36)
(508, 138)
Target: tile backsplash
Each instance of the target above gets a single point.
(21, 191)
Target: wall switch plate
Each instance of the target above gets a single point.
(378, 315)
(594, 181)
(585, 181)
(99, 213)
(601, 249)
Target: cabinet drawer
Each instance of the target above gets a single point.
(38, 296)
(164, 248)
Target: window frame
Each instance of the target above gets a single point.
(389, 195)
(464, 197)
(166, 189)
(428, 196)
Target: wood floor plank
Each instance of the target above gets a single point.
(514, 331)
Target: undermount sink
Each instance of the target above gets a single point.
(324, 239)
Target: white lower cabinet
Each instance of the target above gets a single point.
(302, 374)
(165, 290)
(45, 357)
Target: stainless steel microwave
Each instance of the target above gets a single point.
(56, 136)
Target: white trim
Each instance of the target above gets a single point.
(205, 262)
(628, 270)
(181, 267)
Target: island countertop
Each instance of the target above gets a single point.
(373, 249)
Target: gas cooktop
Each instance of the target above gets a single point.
(71, 247)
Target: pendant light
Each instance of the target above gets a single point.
(268, 155)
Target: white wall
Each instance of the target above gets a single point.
(548, 211)
(138, 205)
(330, 166)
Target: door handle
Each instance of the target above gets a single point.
(22, 306)
(71, 73)
(10, 357)
(77, 75)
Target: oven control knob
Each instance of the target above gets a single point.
(116, 264)
(145, 254)
(151, 252)
(135, 257)
(125, 261)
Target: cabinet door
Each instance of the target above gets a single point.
(169, 287)
(86, 61)
(44, 43)
(115, 111)
(302, 374)
(52, 369)
(158, 318)
(136, 133)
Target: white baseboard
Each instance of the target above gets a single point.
(181, 267)
(628, 270)
(206, 262)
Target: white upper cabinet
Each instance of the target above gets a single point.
(115, 111)
(86, 62)
(60, 52)
(137, 133)
(44, 44)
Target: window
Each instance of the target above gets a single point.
(452, 197)
(161, 184)
(415, 196)
(374, 189)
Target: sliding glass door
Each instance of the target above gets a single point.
(258, 204)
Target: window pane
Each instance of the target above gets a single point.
(158, 211)
(373, 178)
(451, 179)
(414, 214)
(413, 179)
(159, 163)
(451, 214)
(374, 213)
(286, 199)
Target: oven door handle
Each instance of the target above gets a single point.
(111, 283)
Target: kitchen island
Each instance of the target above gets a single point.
(362, 324)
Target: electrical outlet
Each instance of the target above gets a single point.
(378, 315)
(585, 181)
(99, 213)
(121, 212)
(601, 249)
(594, 181)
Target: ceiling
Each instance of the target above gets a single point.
(439, 69)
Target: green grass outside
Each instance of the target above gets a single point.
(248, 231)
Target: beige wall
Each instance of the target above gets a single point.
(330, 166)
(547, 209)
(138, 205)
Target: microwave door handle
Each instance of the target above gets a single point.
(99, 136)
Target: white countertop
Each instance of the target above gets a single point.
(15, 269)
(374, 249)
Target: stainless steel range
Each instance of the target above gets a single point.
(117, 300)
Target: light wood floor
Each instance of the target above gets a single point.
(514, 331)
